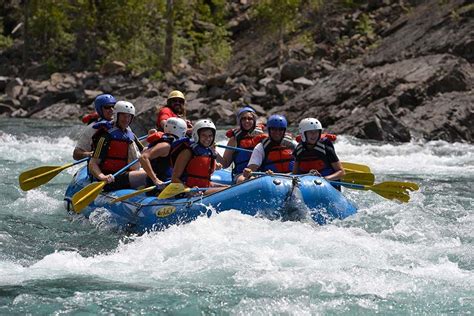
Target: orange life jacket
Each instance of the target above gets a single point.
(278, 157)
(246, 140)
(324, 136)
(199, 169)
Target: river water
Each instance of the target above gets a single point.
(390, 258)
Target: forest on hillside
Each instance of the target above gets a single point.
(147, 35)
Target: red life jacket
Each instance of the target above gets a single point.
(278, 157)
(91, 118)
(199, 169)
(313, 158)
(247, 140)
(153, 138)
(324, 136)
(116, 156)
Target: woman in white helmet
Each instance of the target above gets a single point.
(194, 161)
(115, 148)
(316, 155)
(155, 159)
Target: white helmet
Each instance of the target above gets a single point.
(123, 107)
(309, 124)
(176, 126)
(206, 123)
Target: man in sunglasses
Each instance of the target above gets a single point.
(104, 106)
(175, 107)
(273, 154)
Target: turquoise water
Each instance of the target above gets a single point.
(390, 258)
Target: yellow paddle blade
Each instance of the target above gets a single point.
(138, 192)
(363, 178)
(33, 178)
(86, 196)
(172, 190)
(355, 167)
(394, 190)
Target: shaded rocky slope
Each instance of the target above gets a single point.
(413, 77)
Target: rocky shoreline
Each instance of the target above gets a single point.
(413, 78)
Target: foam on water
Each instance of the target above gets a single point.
(260, 254)
(417, 157)
(39, 149)
(385, 258)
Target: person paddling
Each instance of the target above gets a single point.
(247, 135)
(315, 154)
(155, 159)
(273, 154)
(104, 105)
(175, 107)
(117, 147)
(194, 160)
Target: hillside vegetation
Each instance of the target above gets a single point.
(379, 69)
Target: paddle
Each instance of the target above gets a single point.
(138, 192)
(88, 194)
(392, 190)
(363, 178)
(33, 178)
(348, 166)
(174, 189)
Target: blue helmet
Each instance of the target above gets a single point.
(277, 121)
(246, 109)
(103, 100)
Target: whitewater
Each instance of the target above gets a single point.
(390, 258)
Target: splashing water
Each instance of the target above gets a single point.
(389, 258)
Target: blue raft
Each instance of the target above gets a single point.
(287, 197)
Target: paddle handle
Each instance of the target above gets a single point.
(80, 161)
(234, 148)
(125, 168)
(349, 185)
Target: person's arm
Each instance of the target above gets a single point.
(335, 163)
(159, 150)
(296, 167)
(83, 146)
(181, 162)
(97, 173)
(339, 171)
(99, 153)
(133, 153)
(228, 153)
(79, 153)
(255, 161)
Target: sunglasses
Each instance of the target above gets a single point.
(108, 107)
(173, 101)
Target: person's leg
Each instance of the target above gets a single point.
(137, 178)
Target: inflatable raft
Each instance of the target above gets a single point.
(287, 197)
